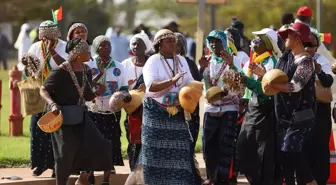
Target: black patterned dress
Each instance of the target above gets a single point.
(41, 152)
(77, 147)
(294, 132)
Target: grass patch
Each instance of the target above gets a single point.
(15, 151)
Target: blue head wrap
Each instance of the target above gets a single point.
(217, 34)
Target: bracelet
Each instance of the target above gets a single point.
(52, 104)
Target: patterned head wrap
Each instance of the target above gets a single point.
(97, 41)
(182, 40)
(73, 27)
(81, 47)
(218, 34)
(162, 34)
(144, 37)
(49, 30)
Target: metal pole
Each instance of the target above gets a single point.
(213, 17)
(200, 29)
(62, 23)
(318, 14)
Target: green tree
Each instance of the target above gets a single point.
(256, 14)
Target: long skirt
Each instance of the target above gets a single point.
(318, 145)
(41, 152)
(80, 147)
(256, 145)
(109, 126)
(293, 139)
(218, 145)
(166, 154)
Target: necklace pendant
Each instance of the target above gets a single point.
(172, 110)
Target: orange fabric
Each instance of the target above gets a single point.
(332, 178)
(231, 169)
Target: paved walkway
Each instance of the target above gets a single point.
(122, 172)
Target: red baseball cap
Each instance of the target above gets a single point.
(300, 29)
(305, 11)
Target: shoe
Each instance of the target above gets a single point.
(105, 183)
(208, 182)
(78, 182)
(38, 171)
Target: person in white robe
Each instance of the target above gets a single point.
(22, 44)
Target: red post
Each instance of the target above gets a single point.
(15, 117)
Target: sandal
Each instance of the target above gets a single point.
(208, 182)
(78, 182)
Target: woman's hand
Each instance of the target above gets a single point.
(227, 57)
(101, 90)
(54, 107)
(204, 62)
(49, 43)
(276, 87)
(257, 70)
(178, 76)
(131, 82)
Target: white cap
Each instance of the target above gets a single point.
(273, 36)
(267, 31)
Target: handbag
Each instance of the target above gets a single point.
(33, 103)
(323, 94)
(72, 114)
(303, 115)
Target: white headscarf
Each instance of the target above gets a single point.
(22, 44)
(144, 37)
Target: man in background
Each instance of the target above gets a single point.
(304, 14)
(172, 26)
(191, 46)
(4, 46)
(120, 45)
(287, 18)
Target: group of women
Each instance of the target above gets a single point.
(275, 138)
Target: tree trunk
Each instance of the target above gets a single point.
(130, 13)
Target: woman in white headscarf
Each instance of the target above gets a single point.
(140, 46)
(22, 44)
